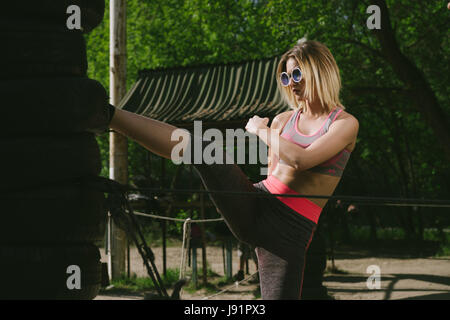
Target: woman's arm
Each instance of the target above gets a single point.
(341, 133)
(152, 134)
(278, 123)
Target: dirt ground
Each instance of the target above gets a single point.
(400, 277)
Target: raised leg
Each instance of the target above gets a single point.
(239, 211)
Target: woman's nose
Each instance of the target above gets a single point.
(291, 83)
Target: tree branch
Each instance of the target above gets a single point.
(368, 48)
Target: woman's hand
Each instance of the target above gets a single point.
(255, 124)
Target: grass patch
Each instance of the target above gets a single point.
(215, 284)
(444, 241)
(211, 285)
(444, 251)
(136, 284)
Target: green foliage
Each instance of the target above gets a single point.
(397, 153)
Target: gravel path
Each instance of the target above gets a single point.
(400, 278)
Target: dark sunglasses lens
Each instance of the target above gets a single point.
(297, 75)
(284, 79)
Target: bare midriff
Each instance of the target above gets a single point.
(306, 182)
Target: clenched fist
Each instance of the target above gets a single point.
(256, 123)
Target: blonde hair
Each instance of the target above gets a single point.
(319, 71)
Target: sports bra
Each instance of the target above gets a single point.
(334, 166)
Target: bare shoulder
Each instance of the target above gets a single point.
(280, 119)
(348, 123)
(348, 119)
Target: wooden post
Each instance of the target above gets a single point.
(163, 172)
(229, 254)
(224, 259)
(164, 246)
(194, 265)
(118, 161)
(128, 260)
(168, 214)
(163, 225)
(202, 228)
(246, 265)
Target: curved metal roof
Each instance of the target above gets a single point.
(216, 94)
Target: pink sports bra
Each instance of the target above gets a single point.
(334, 166)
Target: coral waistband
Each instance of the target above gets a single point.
(303, 206)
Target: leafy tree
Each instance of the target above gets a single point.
(395, 80)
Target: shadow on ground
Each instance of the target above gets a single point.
(398, 249)
(393, 279)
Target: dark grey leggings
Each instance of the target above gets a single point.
(281, 235)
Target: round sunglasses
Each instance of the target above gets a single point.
(296, 75)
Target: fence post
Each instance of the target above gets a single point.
(194, 265)
(164, 246)
(229, 254)
(202, 226)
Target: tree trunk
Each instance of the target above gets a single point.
(422, 95)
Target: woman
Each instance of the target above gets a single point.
(317, 137)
